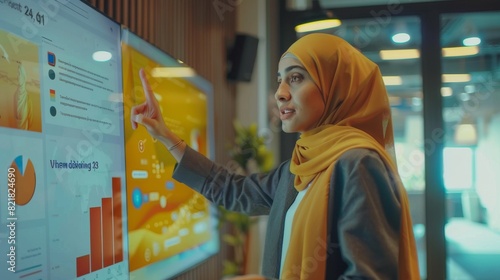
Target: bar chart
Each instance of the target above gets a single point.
(86, 213)
(106, 234)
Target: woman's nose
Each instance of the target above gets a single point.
(282, 93)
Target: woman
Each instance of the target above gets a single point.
(337, 209)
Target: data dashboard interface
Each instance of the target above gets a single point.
(62, 166)
(82, 194)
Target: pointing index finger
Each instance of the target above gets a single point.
(145, 85)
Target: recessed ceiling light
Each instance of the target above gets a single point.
(317, 19)
(416, 101)
(456, 78)
(392, 80)
(414, 53)
(401, 38)
(317, 25)
(446, 91)
(399, 54)
(460, 51)
(470, 88)
(471, 41)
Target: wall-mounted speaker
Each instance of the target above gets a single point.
(241, 58)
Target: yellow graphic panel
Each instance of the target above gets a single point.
(165, 218)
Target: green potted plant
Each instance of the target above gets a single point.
(249, 154)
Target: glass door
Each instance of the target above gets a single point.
(471, 155)
(393, 43)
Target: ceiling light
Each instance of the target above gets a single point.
(399, 54)
(317, 19)
(317, 25)
(416, 101)
(466, 134)
(400, 38)
(392, 80)
(400, 33)
(460, 51)
(471, 41)
(414, 53)
(466, 131)
(464, 96)
(446, 91)
(470, 89)
(456, 78)
(172, 72)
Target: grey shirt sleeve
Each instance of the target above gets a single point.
(369, 218)
(252, 195)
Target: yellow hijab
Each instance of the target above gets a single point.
(357, 115)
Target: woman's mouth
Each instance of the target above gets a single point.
(286, 113)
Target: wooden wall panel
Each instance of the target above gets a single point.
(192, 31)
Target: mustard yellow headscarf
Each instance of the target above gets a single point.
(357, 115)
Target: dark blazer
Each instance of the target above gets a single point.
(363, 216)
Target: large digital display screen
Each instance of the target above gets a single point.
(170, 227)
(62, 164)
(82, 195)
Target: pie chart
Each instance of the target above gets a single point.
(25, 180)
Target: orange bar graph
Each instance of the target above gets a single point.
(107, 231)
(106, 237)
(95, 239)
(117, 219)
(82, 265)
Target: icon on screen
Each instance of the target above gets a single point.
(51, 57)
(52, 95)
(53, 111)
(25, 175)
(169, 185)
(137, 198)
(52, 74)
(141, 145)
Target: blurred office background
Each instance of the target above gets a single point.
(441, 65)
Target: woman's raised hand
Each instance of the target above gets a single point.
(149, 115)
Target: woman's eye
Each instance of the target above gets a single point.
(295, 78)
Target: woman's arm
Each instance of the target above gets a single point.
(251, 194)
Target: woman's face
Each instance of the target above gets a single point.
(300, 101)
